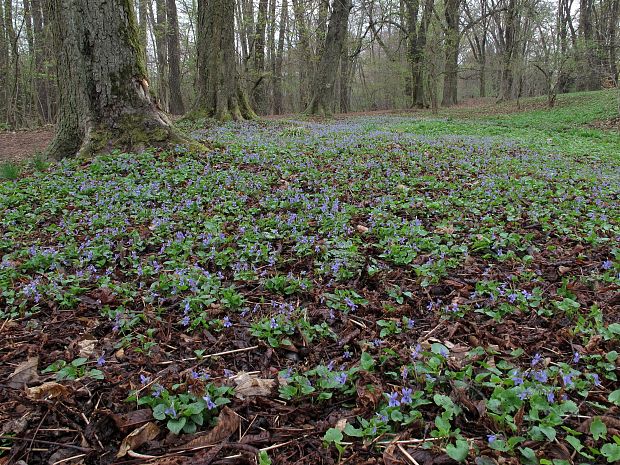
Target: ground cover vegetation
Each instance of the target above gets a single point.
(377, 289)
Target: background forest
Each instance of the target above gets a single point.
(395, 54)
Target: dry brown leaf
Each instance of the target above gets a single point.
(130, 420)
(49, 390)
(341, 424)
(227, 423)
(136, 438)
(87, 347)
(389, 456)
(24, 374)
(251, 386)
(361, 229)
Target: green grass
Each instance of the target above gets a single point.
(9, 171)
(565, 129)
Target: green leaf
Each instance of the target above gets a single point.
(333, 435)
(367, 362)
(194, 408)
(158, 412)
(611, 452)
(95, 374)
(598, 429)
(263, 458)
(548, 431)
(529, 456)
(176, 425)
(352, 431)
(458, 452)
(614, 397)
(78, 362)
(576, 443)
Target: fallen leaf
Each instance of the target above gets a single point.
(341, 424)
(87, 347)
(251, 386)
(49, 390)
(361, 229)
(227, 423)
(136, 438)
(24, 374)
(563, 270)
(130, 420)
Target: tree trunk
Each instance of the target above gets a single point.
(345, 73)
(450, 83)
(161, 51)
(305, 55)
(258, 86)
(323, 85)
(420, 99)
(509, 39)
(588, 76)
(143, 20)
(271, 48)
(41, 81)
(176, 106)
(105, 101)
(4, 63)
(277, 85)
(219, 93)
(414, 55)
(612, 35)
(13, 65)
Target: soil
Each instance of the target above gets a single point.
(19, 146)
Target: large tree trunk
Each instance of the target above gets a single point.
(4, 64)
(41, 81)
(509, 49)
(588, 76)
(414, 55)
(161, 51)
(420, 98)
(13, 65)
(258, 62)
(305, 54)
(219, 93)
(450, 82)
(277, 84)
(176, 106)
(105, 101)
(345, 75)
(325, 78)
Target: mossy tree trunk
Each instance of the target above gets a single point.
(452, 37)
(219, 92)
(104, 97)
(174, 59)
(322, 99)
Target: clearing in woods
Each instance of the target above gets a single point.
(403, 289)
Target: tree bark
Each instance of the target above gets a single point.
(509, 40)
(219, 92)
(176, 106)
(105, 102)
(161, 51)
(345, 74)
(305, 54)
(452, 36)
(4, 63)
(323, 86)
(41, 52)
(420, 99)
(258, 68)
(277, 85)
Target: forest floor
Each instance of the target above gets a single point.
(21, 146)
(398, 289)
